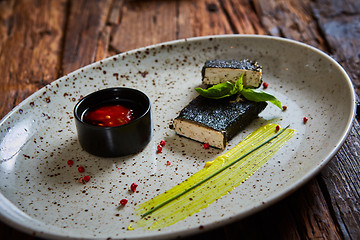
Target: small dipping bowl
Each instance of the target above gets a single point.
(115, 141)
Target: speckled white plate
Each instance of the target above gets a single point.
(40, 193)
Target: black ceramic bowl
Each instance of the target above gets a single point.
(115, 141)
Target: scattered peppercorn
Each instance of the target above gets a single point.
(162, 142)
(70, 162)
(123, 202)
(81, 169)
(265, 84)
(168, 163)
(133, 187)
(206, 145)
(305, 120)
(159, 148)
(81, 180)
(86, 178)
(284, 108)
(277, 128)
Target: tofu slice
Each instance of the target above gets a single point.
(216, 121)
(218, 71)
(200, 133)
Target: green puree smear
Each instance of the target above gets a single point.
(215, 180)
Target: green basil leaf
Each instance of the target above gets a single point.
(260, 96)
(218, 91)
(239, 84)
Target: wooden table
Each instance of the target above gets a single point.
(41, 41)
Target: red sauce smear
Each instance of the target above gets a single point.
(109, 116)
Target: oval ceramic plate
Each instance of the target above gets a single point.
(40, 193)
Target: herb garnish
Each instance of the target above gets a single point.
(227, 89)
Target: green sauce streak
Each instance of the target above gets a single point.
(219, 177)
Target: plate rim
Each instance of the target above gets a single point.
(269, 201)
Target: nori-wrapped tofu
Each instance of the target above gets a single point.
(218, 71)
(216, 121)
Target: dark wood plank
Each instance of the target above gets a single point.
(315, 221)
(275, 222)
(208, 18)
(144, 23)
(8, 233)
(115, 12)
(6, 10)
(201, 18)
(242, 17)
(339, 22)
(31, 43)
(342, 180)
(102, 47)
(291, 19)
(85, 31)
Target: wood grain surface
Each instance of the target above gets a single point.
(42, 40)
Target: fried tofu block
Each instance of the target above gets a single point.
(218, 71)
(216, 121)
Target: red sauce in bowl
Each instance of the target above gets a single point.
(109, 116)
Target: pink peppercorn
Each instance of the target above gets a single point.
(70, 162)
(305, 119)
(162, 142)
(159, 149)
(123, 202)
(206, 145)
(284, 108)
(86, 178)
(133, 187)
(265, 84)
(277, 128)
(81, 169)
(168, 163)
